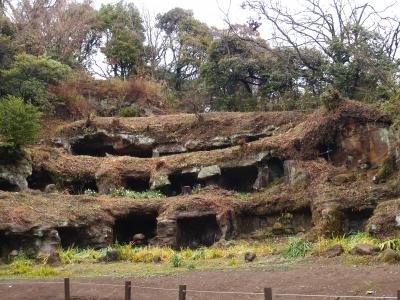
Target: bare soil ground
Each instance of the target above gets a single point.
(316, 276)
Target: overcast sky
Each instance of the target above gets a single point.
(206, 11)
(211, 11)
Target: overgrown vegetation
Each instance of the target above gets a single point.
(297, 247)
(228, 255)
(122, 192)
(22, 266)
(346, 241)
(130, 252)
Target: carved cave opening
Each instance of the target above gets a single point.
(136, 184)
(101, 145)
(125, 227)
(79, 186)
(284, 223)
(11, 241)
(39, 179)
(356, 220)
(180, 180)
(239, 179)
(7, 186)
(197, 231)
(71, 236)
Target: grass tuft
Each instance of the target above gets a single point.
(346, 241)
(297, 247)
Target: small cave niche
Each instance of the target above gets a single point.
(276, 169)
(248, 223)
(11, 241)
(39, 179)
(7, 244)
(101, 145)
(71, 236)
(136, 184)
(125, 227)
(197, 231)
(178, 181)
(7, 186)
(327, 151)
(356, 220)
(284, 223)
(239, 179)
(93, 145)
(78, 187)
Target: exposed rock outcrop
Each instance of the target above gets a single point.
(275, 173)
(13, 175)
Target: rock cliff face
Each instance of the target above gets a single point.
(223, 176)
(171, 134)
(14, 171)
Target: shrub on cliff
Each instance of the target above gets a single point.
(30, 78)
(330, 98)
(19, 122)
(129, 111)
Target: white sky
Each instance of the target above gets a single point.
(206, 11)
(209, 11)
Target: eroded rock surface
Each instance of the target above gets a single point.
(246, 173)
(14, 174)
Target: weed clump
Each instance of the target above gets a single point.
(129, 112)
(297, 247)
(176, 260)
(346, 241)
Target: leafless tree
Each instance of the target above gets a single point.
(318, 23)
(155, 41)
(59, 28)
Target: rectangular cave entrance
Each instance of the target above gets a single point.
(39, 179)
(10, 241)
(79, 186)
(329, 152)
(179, 180)
(356, 220)
(275, 168)
(239, 179)
(282, 223)
(136, 184)
(127, 226)
(7, 186)
(197, 231)
(71, 236)
(247, 223)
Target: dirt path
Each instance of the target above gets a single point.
(312, 278)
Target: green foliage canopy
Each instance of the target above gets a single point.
(187, 40)
(30, 77)
(122, 26)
